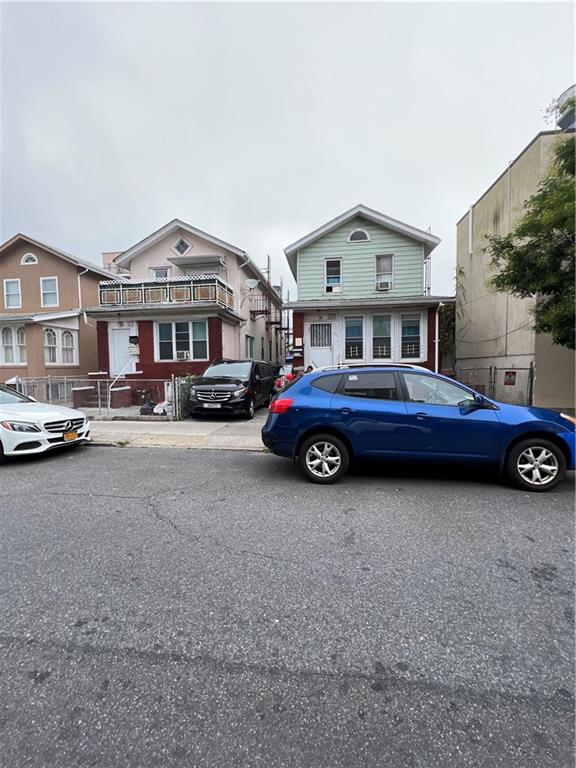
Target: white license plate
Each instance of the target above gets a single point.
(212, 405)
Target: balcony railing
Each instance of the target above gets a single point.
(191, 289)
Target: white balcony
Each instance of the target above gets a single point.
(165, 292)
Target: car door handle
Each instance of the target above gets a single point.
(421, 415)
(346, 410)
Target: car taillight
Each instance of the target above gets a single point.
(280, 405)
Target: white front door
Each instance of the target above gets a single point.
(119, 355)
(319, 341)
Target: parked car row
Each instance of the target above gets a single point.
(328, 418)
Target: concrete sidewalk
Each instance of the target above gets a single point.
(214, 432)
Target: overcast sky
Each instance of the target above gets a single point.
(259, 122)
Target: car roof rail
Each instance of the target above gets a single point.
(344, 366)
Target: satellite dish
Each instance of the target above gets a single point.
(250, 283)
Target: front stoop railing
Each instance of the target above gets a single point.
(190, 289)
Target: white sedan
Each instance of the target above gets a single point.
(28, 427)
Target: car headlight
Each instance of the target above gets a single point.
(568, 418)
(192, 395)
(239, 392)
(20, 426)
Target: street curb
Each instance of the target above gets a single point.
(102, 444)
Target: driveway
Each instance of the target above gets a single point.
(199, 609)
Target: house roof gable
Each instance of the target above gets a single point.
(127, 255)
(429, 240)
(54, 251)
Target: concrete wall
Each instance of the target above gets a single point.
(495, 328)
(554, 382)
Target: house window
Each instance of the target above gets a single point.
(7, 345)
(358, 236)
(181, 246)
(49, 291)
(50, 347)
(12, 296)
(160, 273)
(262, 356)
(320, 334)
(354, 338)
(333, 275)
(182, 340)
(249, 341)
(21, 344)
(13, 345)
(68, 348)
(28, 258)
(381, 337)
(384, 272)
(410, 336)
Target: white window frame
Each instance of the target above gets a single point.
(15, 346)
(25, 263)
(392, 330)
(357, 242)
(323, 336)
(326, 285)
(382, 290)
(364, 350)
(59, 362)
(191, 358)
(152, 272)
(249, 346)
(176, 251)
(423, 338)
(42, 303)
(13, 280)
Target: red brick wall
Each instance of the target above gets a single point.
(103, 352)
(153, 370)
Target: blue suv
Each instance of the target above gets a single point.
(327, 418)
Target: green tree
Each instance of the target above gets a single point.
(537, 257)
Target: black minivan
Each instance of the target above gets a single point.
(233, 386)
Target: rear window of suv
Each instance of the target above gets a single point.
(327, 383)
(379, 386)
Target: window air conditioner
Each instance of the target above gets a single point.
(383, 285)
(182, 355)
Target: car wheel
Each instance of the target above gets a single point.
(250, 409)
(536, 465)
(323, 459)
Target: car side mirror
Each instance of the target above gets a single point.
(479, 401)
(33, 399)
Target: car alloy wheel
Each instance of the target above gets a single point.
(536, 464)
(324, 458)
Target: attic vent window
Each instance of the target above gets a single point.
(29, 258)
(181, 246)
(359, 236)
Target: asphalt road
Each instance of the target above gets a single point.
(167, 607)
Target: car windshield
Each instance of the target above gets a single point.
(10, 397)
(235, 369)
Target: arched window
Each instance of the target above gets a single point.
(358, 236)
(29, 258)
(49, 345)
(21, 343)
(7, 345)
(68, 347)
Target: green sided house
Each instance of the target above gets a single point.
(364, 292)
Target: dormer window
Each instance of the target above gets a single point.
(181, 247)
(28, 258)
(358, 236)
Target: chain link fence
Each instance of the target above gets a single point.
(509, 385)
(108, 398)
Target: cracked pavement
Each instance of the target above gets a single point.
(170, 607)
